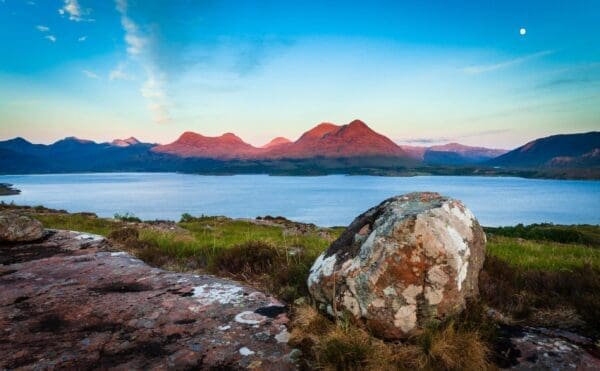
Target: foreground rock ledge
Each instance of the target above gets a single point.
(410, 259)
(68, 303)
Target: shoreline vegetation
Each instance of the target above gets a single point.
(537, 276)
(297, 168)
(8, 190)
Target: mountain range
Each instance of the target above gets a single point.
(325, 140)
(326, 148)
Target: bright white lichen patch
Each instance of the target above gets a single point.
(218, 293)
(406, 317)
(460, 254)
(351, 304)
(283, 336)
(224, 328)
(410, 293)
(87, 236)
(119, 253)
(322, 267)
(249, 318)
(246, 352)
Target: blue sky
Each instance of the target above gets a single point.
(417, 71)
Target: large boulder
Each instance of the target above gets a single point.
(409, 260)
(19, 228)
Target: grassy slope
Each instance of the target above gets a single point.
(542, 255)
(535, 282)
(209, 235)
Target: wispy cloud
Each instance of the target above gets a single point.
(90, 74)
(548, 106)
(73, 10)
(42, 28)
(153, 89)
(583, 75)
(424, 141)
(119, 73)
(82, 38)
(457, 138)
(483, 68)
(50, 38)
(566, 81)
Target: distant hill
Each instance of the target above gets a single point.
(355, 139)
(458, 154)
(557, 151)
(452, 154)
(131, 141)
(276, 142)
(225, 147)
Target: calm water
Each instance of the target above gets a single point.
(326, 201)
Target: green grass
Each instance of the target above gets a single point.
(78, 222)
(217, 232)
(583, 234)
(543, 255)
(209, 235)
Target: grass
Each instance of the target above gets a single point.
(543, 255)
(583, 234)
(539, 281)
(341, 346)
(78, 222)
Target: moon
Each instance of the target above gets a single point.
(522, 31)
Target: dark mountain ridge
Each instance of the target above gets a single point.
(325, 149)
(563, 150)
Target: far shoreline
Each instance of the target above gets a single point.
(500, 173)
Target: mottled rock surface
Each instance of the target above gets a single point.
(69, 303)
(534, 348)
(15, 227)
(402, 263)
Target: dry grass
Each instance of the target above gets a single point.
(543, 298)
(342, 346)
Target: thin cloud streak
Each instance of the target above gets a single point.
(478, 69)
(440, 140)
(91, 74)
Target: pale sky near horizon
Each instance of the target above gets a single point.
(418, 72)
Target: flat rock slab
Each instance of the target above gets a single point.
(537, 348)
(66, 302)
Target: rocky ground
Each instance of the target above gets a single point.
(67, 301)
(531, 348)
(71, 300)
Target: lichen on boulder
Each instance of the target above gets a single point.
(15, 227)
(401, 264)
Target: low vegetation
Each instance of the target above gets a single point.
(539, 275)
(342, 346)
(588, 235)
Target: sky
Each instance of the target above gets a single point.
(491, 73)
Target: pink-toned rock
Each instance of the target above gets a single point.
(409, 260)
(69, 303)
